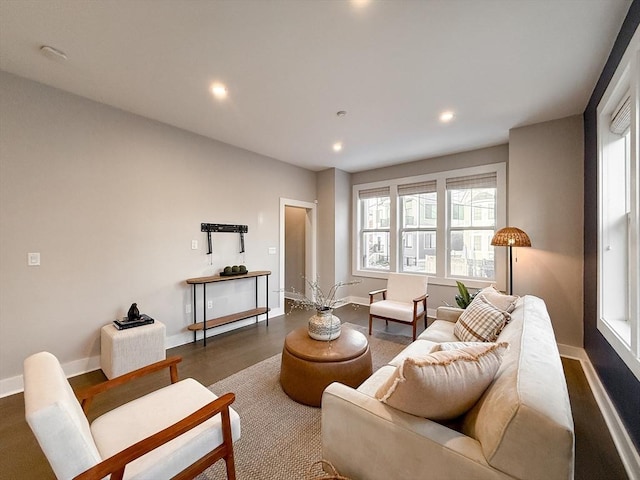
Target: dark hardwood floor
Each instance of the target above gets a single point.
(21, 457)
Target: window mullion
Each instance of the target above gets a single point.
(394, 229)
(442, 233)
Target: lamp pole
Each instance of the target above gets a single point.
(510, 269)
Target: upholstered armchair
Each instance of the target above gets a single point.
(175, 432)
(404, 300)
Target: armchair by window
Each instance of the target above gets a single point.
(404, 300)
(175, 432)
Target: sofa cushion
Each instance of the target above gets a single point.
(442, 385)
(480, 321)
(416, 349)
(439, 331)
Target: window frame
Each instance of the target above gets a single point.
(471, 226)
(417, 228)
(442, 276)
(377, 230)
(623, 335)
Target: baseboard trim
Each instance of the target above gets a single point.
(12, 385)
(626, 449)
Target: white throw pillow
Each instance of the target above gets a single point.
(506, 303)
(445, 384)
(480, 322)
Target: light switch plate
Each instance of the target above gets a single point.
(272, 250)
(33, 259)
(194, 244)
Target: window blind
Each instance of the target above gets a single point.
(483, 180)
(621, 117)
(417, 188)
(373, 193)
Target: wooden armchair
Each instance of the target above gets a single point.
(175, 432)
(404, 300)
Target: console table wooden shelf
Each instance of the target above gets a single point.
(234, 317)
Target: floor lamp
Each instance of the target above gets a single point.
(510, 237)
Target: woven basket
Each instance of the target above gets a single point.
(332, 474)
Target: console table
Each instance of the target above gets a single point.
(234, 317)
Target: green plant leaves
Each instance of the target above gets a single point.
(464, 298)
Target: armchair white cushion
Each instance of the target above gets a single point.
(404, 300)
(56, 418)
(73, 447)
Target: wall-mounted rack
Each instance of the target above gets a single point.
(224, 228)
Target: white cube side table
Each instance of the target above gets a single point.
(122, 351)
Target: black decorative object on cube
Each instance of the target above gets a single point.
(133, 313)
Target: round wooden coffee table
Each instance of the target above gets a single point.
(309, 366)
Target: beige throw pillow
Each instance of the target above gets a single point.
(506, 303)
(454, 345)
(444, 384)
(480, 322)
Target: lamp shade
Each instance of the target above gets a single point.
(510, 237)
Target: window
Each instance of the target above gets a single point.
(418, 203)
(439, 224)
(375, 214)
(618, 219)
(474, 196)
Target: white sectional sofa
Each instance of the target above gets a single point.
(521, 427)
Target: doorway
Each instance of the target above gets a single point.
(297, 246)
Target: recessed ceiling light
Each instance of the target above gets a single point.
(360, 3)
(447, 116)
(337, 147)
(219, 90)
(341, 113)
(53, 52)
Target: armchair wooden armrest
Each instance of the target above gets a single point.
(116, 464)
(383, 291)
(421, 298)
(85, 396)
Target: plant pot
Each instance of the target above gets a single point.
(324, 326)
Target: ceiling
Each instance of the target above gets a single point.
(291, 65)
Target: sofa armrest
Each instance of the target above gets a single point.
(364, 438)
(449, 314)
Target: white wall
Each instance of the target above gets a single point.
(342, 212)
(334, 231)
(112, 202)
(326, 228)
(546, 178)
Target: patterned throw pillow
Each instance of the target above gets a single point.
(445, 384)
(480, 322)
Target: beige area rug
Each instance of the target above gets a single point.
(281, 438)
